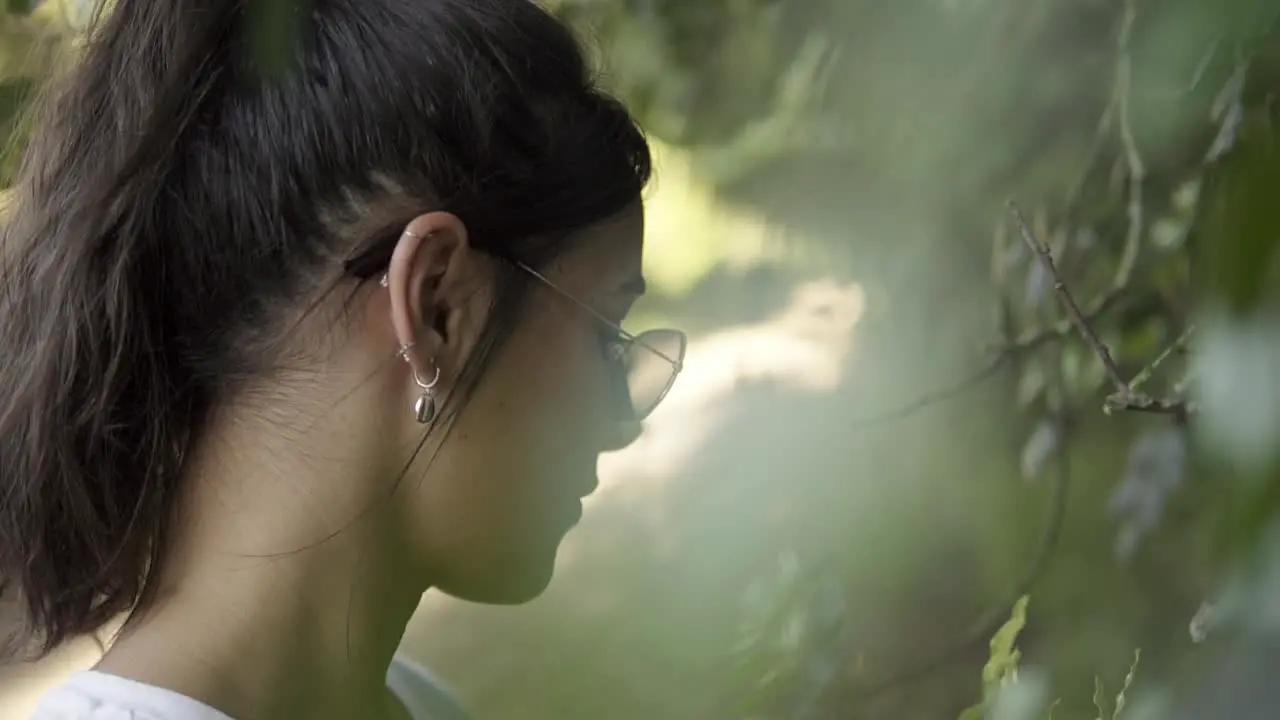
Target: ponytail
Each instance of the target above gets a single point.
(96, 407)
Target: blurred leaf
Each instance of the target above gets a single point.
(29, 45)
(1203, 622)
(1002, 662)
(14, 95)
(1025, 699)
(1086, 239)
(1038, 285)
(1156, 467)
(1249, 516)
(1143, 340)
(1168, 233)
(275, 29)
(791, 640)
(1187, 196)
(79, 13)
(1239, 224)
(1093, 374)
(1228, 112)
(1082, 371)
(1031, 384)
(21, 7)
(1237, 368)
(1002, 665)
(1040, 446)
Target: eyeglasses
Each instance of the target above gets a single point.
(649, 361)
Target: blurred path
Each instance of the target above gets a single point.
(635, 620)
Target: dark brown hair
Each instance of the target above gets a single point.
(176, 206)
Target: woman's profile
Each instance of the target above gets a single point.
(285, 350)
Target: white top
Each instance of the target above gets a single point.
(93, 695)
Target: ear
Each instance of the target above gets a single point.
(428, 268)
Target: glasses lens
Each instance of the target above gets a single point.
(652, 363)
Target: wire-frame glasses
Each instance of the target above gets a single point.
(649, 361)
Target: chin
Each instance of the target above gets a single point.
(516, 584)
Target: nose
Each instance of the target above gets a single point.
(621, 434)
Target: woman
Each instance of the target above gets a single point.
(285, 349)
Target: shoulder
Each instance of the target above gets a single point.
(91, 695)
(424, 695)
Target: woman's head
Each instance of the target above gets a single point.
(194, 247)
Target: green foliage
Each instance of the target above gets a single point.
(274, 33)
(1120, 703)
(1155, 227)
(1239, 220)
(1141, 142)
(1001, 668)
(1000, 678)
(790, 641)
(34, 38)
(734, 80)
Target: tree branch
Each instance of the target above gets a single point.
(1000, 354)
(1069, 303)
(1126, 396)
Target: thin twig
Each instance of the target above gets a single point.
(934, 397)
(1176, 346)
(1000, 354)
(1069, 303)
(1201, 68)
(1145, 404)
(1117, 107)
(1124, 397)
(1134, 401)
(1095, 150)
(1137, 169)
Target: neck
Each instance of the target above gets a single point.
(284, 595)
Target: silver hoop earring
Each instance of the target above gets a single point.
(424, 408)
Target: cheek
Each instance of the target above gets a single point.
(541, 410)
(567, 390)
(505, 486)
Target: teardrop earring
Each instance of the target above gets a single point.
(424, 408)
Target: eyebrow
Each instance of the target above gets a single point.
(635, 285)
